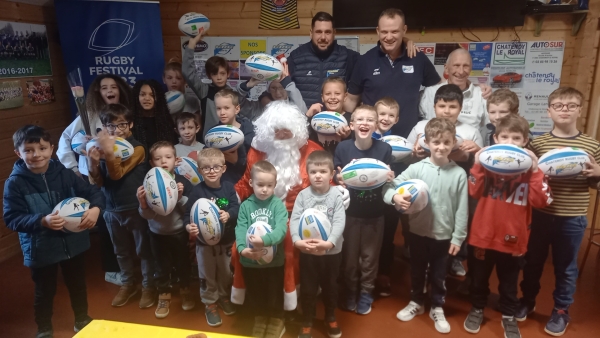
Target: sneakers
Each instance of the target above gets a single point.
(441, 324)
(79, 325)
(350, 304)
(45, 334)
(557, 325)
(383, 285)
(457, 268)
(333, 330)
(511, 329)
(125, 293)
(410, 311)
(187, 299)
(474, 320)
(364, 303)
(114, 278)
(148, 298)
(522, 311)
(212, 315)
(260, 327)
(275, 329)
(226, 305)
(162, 309)
(305, 332)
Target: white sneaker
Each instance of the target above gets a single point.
(114, 278)
(437, 314)
(410, 311)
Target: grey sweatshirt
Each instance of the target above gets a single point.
(331, 204)
(172, 223)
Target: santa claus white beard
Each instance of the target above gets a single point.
(284, 155)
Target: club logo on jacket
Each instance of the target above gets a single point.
(262, 214)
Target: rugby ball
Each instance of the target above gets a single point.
(205, 214)
(175, 101)
(505, 159)
(122, 147)
(365, 174)
(419, 192)
(260, 228)
(190, 23)
(459, 141)
(314, 225)
(264, 67)
(78, 142)
(401, 148)
(161, 191)
(188, 168)
(71, 210)
(224, 137)
(328, 122)
(565, 162)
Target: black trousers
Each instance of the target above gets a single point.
(318, 271)
(424, 251)
(170, 251)
(264, 291)
(386, 255)
(73, 271)
(481, 263)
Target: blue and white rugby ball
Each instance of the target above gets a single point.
(224, 137)
(264, 67)
(314, 225)
(78, 142)
(175, 101)
(122, 147)
(161, 191)
(459, 141)
(365, 174)
(205, 214)
(565, 162)
(188, 168)
(419, 192)
(190, 23)
(328, 122)
(401, 148)
(505, 159)
(260, 228)
(71, 210)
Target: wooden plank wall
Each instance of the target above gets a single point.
(54, 116)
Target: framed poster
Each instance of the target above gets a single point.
(11, 94)
(40, 91)
(24, 50)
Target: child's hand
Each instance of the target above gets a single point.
(418, 151)
(411, 49)
(179, 191)
(193, 41)
(340, 179)
(402, 202)
(477, 155)
(256, 241)
(224, 216)
(94, 155)
(286, 71)
(253, 82)
(231, 156)
(343, 132)
(178, 161)
(390, 175)
(89, 218)
(534, 160)
(305, 245)
(53, 221)
(321, 245)
(314, 109)
(107, 144)
(592, 169)
(252, 253)
(192, 229)
(469, 146)
(454, 249)
(345, 196)
(141, 196)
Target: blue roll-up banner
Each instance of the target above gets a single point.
(118, 37)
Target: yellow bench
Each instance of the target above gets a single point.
(111, 329)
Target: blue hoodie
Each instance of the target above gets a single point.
(29, 197)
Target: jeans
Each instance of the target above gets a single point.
(318, 271)
(564, 235)
(428, 251)
(170, 251)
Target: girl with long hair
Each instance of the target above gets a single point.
(152, 121)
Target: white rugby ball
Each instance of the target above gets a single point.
(260, 228)
(188, 168)
(224, 137)
(175, 101)
(459, 141)
(190, 23)
(78, 142)
(161, 191)
(314, 224)
(419, 192)
(401, 148)
(71, 210)
(505, 159)
(328, 122)
(365, 174)
(122, 148)
(565, 162)
(205, 214)
(264, 67)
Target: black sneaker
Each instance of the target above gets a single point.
(305, 332)
(227, 307)
(212, 315)
(457, 268)
(557, 325)
(333, 330)
(44, 334)
(522, 311)
(79, 325)
(474, 320)
(511, 329)
(385, 290)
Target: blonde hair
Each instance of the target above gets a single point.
(263, 167)
(228, 92)
(364, 107)
(438, 126)
(208, 154)
(388, 102)
(504, 95)
(161, 144)
(333, 79)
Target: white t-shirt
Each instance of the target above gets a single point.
(183, 150)
(464, 130)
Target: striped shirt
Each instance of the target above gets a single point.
(572, 195)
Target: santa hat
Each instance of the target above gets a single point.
(290, 271)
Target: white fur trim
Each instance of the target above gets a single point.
(290, 300)
(238, 295)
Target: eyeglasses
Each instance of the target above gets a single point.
(216, 169)
(560, 106)
(113, 127)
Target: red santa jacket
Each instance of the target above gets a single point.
(503, 213)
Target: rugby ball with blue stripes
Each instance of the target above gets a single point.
(328, 122)
(365, 174)
(314, 225)
(264, 67)
(205, 214)
(175, 101)
(224, 137)
(401, 148)
(419, 194)
(565, 162)
(261, 228)
(78, 142)
(161, 191)
(505, 159)
(190, 23)
(122, 147)
(459, 141)
(188, 168)
(71, 210)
